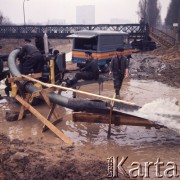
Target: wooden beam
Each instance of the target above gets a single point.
(13, 79)
(45, 128)
(77, 91)
(22, 109)
(117, 119)
(52, 106)
(44, 120)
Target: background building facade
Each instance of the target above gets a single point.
(85, 14)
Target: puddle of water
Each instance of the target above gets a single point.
(140, 92)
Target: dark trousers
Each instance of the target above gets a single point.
(32, 65)
(118, 80)
(85, 76)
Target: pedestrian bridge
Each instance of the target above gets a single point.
(135, 31)
(62, 31)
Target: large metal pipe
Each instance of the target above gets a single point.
(75, 104)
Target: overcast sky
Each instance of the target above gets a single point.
(40, 11)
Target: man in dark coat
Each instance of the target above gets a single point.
(39, 42)
(119, 69)
(89, 72)
(31, 60)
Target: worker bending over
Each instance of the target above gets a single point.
(31, 59)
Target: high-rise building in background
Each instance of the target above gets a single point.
(85, 14)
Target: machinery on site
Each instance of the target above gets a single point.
(84, 110)
(53, 70)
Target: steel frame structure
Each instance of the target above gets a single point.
(62, 31)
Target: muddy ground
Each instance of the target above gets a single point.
(38, 159)
(160, 65)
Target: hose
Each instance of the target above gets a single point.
(75, 104)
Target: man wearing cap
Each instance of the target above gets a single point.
(89, 72)
(31, 60)
(119, 69)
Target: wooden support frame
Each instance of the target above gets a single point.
(53, 128)
(25, 105)
(14, 79)
(52, 106)
(80, 117)
(22, 108)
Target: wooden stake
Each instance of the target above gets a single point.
(110, 116)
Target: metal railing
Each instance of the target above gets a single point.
(62, 31)
(162, 38)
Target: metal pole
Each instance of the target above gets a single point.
(24, 13)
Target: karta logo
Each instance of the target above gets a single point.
(141, 169)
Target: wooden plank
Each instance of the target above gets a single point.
(13, 79)
(117, 119)
(45, 128)
(77, 91)
(44, 120)
(51, 105)
(22, 109)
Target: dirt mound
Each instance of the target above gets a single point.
(170, 54)
(149, 67)
(30, 160)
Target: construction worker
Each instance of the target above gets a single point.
(89, 72)
(31, 59)
(119, 69)
(59, 66)
(39, 42)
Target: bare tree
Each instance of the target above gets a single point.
(173, 13)
(173, 16)
(150, 11)
(4, 20)
(142, 12)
